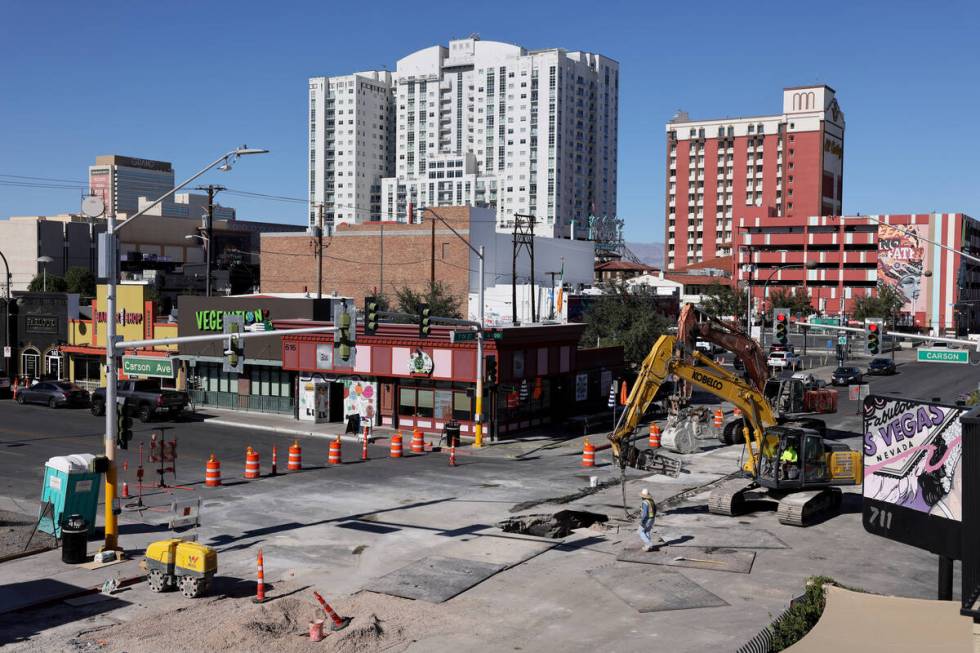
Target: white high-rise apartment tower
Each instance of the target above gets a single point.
(480, 123)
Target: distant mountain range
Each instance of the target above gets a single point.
(649, 253)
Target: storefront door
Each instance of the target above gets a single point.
(337, 402)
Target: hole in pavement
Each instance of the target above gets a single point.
(558, 525)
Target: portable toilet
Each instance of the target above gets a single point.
(71, 487)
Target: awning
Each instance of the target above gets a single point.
(854, 622)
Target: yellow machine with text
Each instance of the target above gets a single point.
(788, 461)
(180, 563)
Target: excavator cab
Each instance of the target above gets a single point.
(792, 459)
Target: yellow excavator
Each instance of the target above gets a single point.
(789, 462)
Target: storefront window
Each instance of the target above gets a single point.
(30, 363)
(462, 406)
(426, 399)
(406, 401)
(87, 368)
(444, 404)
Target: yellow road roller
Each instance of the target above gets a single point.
(180, 563)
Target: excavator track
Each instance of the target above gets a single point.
(801, 508)
(729, 498)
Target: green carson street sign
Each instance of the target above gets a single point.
(148, 366)
(943, 356)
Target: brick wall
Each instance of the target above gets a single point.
(352, 258)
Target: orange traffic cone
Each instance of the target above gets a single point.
(212, 472)
(588, 454)
(260, 582)
(334, 456)
(125, 490)
(396, 445)
(418, 442)
(251, 463)
(654, 436)
(295, 462)
(338, 622)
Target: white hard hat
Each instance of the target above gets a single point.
(645, 493)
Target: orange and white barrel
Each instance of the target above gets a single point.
(418, 442)
(334, 455)
(295, 462)
(654, 436)
(212, 472)
(251, 463)
(396, 445)
(588, 454)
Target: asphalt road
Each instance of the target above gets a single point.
(30, 435)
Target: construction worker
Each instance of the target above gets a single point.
(769, 444)
(648, 513)
(789, 461)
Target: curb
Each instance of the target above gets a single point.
(81, 591)
(345, 437)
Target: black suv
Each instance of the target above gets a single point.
(881, 366)
(846, 376)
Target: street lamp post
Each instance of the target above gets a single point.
(478, 435)
(44, 260)
(112, 279)
(6, 317)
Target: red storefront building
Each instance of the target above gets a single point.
(400, 380)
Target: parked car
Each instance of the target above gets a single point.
(784, 360)
(146, 398)
(881, 366)
(54, 394)
(846, 376)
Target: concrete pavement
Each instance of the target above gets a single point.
(343, 528)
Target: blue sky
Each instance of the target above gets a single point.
(185, 81)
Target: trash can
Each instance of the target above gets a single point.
(452, 434)
(71, 487)
(354, 423)
(74, 540)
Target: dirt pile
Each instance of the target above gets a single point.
(379, 622)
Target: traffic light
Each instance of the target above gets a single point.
(781, 321)
(344, 325)
(370, 316)
(873, 336)
(425, 321)
(234, 350)
(124, 426)
(491, 370)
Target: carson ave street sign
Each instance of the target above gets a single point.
(148, 366)
(943, 356)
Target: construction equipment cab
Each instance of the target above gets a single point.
(790, 462)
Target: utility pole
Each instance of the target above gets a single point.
(212, 189)
(551, 313)
(319, 251)
(523, 239)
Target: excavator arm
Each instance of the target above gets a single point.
(726, 335)
(664, 360)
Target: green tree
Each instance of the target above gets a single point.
(723, 300)
(797, 300)
(441, 301)
(80, 280)
(885, 303)
(626, 317)
(54, 283)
